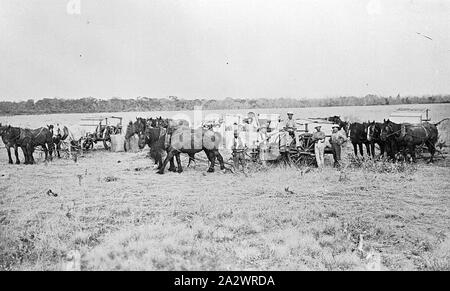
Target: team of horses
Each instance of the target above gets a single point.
(48, 138)
(393, 139)
(172, 137)
(175, 137)
(27, 140)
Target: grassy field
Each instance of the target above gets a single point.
(120, 215)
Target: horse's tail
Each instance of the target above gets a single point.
(436, 124)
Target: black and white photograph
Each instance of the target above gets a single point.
(242, 137)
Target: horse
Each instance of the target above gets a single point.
(409, 136)
(191, 141)
(150, 135)
(26, 139)
(358, 137)
(342, 124)
(374, 137)
(10, 144)
(38, 137)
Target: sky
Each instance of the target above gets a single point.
(218, 48)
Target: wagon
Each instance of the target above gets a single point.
(279, 145)
(300, 151)
(104, 128)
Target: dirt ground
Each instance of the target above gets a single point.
(120, 215)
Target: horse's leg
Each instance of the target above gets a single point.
(58, 148)
(166, 160)
(412, 151)
(372, 149)
(177, 156)
(191, 159)
(432, 150)
(44, 147)
(51, 147)
(220, 159)
(172, 167)
(355, 150)
(382, 147)
(16, 152)
(360, 145)
(30, 150)
(213, 161)
(172, 162)
(369, 152)
(8, 149)
(393, 150)
(25, 154)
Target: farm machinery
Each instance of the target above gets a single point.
(267, 141)
(104, 128)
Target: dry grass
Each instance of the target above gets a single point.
(120, 215)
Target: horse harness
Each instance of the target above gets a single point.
(403, 132)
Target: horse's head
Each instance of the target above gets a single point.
(335, 119)
(152, 122)
(10, 133)
(142, 140)
(352, 129)
(386, 129)
(50, 128)
(345, 126)
(164, 122)
(131, 130)
(140, 125)
(373, 132)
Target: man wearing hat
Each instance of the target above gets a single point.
(336, 141)
(319, 146)
(290, 124)
(238, 149)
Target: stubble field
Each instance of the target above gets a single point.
(119, 214)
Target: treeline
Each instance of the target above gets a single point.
(172, 103)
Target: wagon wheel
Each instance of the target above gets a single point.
(303, 159)
(304, 156)
(106, 137)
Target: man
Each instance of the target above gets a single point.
(290, 124)
(337, 139)
(262, 134)
(319, 146)
(238, 149)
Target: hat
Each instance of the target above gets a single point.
(290, 112)
(335, 126)
(318, 126)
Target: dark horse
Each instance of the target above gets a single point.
(28, 139)
(409, 136)
(374, 137)
(342, 124)
(191, 141)
(11, 144)
(358, 137)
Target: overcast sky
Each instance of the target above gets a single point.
(218, 48)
